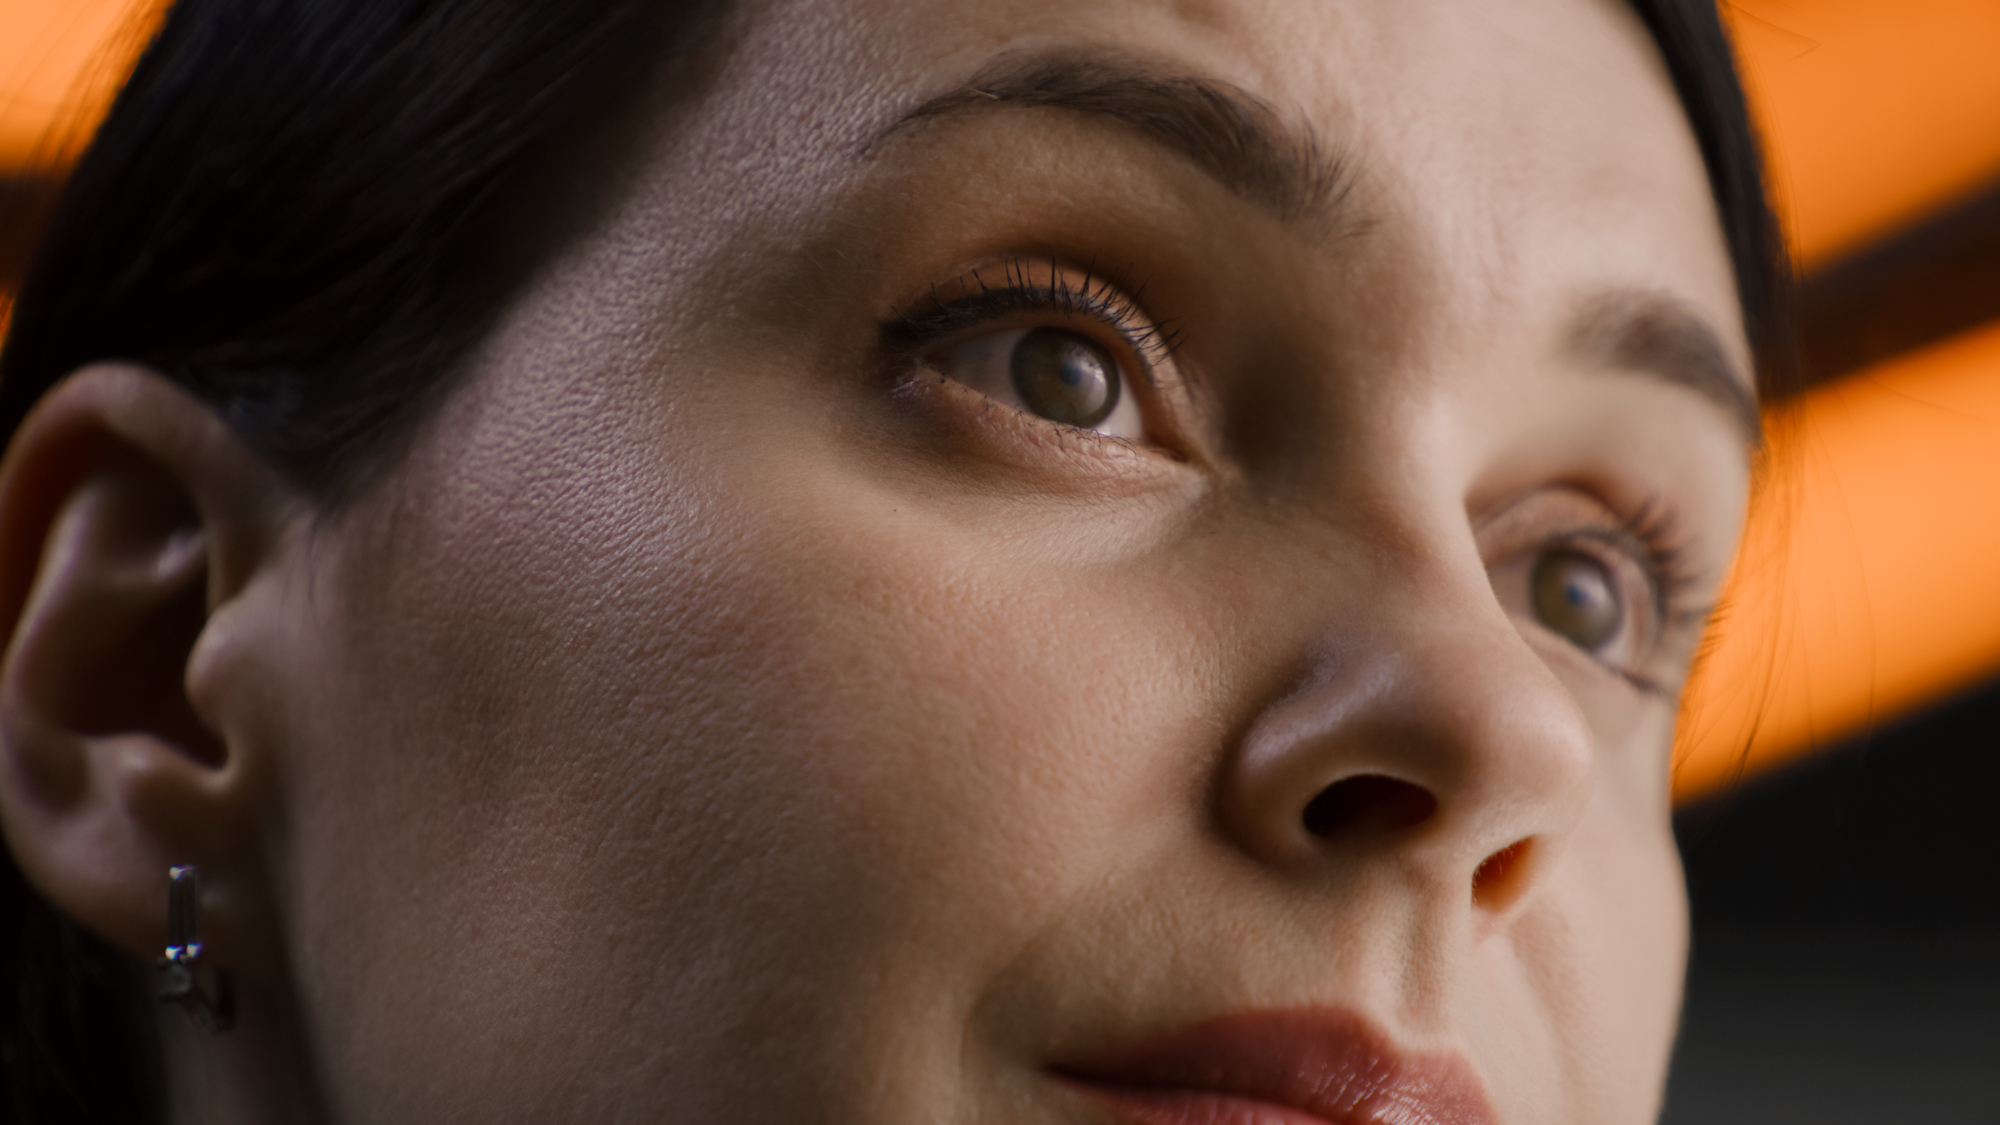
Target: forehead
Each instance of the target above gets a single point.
(1525, 151)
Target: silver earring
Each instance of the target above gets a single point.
(181, 971)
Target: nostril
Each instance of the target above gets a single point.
(1369, 800)
(1497, 881)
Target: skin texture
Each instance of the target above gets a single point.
(724, 713)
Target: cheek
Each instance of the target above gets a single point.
(1642, 900)
(960, 718)
(769, 746)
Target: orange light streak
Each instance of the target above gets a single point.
(60, 63)
(1874, 111)
(1870, 580)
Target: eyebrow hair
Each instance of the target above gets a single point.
(1650, 334)
(1241, 142)
(1238, 139)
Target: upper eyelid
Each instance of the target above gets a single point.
(1024, 289)
(916, 335)
(1650, 532)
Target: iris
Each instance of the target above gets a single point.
(1576, 597)
(1064, 377)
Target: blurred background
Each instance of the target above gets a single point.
(1845, 868)
(1838, 770)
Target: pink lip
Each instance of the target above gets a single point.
(1301, 1067)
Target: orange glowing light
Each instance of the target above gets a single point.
(1874, 111)
(1866, 585)
(60, 63)
(1870, 581)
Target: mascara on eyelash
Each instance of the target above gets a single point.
(1021, 291)
(1654, 533)
(1661, 532)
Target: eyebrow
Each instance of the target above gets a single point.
(1652, 335)
(1242, 143)
(1238, 139)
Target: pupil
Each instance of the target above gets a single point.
(1064, 377)
(1575, 597)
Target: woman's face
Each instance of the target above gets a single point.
(1042, 562)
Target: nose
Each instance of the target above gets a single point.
(1425, 732)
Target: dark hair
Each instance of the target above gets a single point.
(1698, 58)
(292, 210)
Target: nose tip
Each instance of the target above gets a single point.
(1467, 760)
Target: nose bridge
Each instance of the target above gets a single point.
(1425, 728)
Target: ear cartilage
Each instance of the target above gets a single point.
(212, 1008)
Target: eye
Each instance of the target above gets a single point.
(1064, 377)
(1051, 372)
(1576, 597)
(1068, 347)
(1615, 588)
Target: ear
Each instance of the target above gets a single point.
(133, 525)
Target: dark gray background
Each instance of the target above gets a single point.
(1846, 963)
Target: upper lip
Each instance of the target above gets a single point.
(1330, 1063)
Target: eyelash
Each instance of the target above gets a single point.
(1020, 291)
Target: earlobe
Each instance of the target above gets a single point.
(131, 522)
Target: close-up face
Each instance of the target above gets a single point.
(1034, 562)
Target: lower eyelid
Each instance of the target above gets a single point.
(1063, 456)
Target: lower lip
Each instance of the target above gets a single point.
(1298, 1067)
(1196, 1107)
